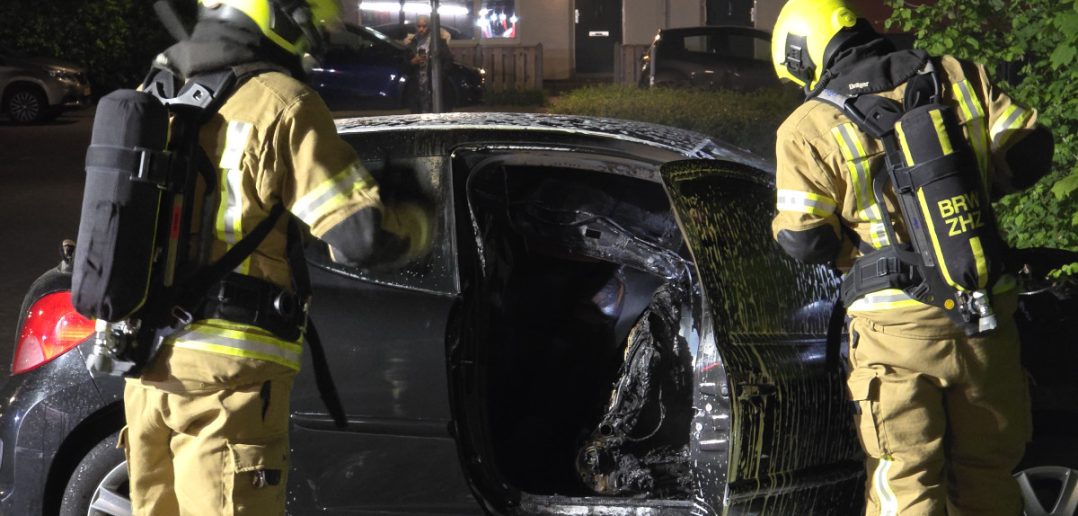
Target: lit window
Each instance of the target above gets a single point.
(397, 19)
(497, 19)
(461, 19)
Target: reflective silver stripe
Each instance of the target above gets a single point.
(208, 338)
(1013, 119)
(229, 226)
(975, 131)
(854, 153)
(805, 202)
(853, 150)
(970, 106)
(331, 194)
(883, 300)
(231, 205)
(888, 500)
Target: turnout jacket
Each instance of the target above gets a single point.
(275, 142)
(825, 165)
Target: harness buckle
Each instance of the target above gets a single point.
(182, 316)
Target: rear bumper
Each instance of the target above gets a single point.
(38, 412)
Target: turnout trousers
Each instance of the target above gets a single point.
(207, 434)
(943, 418)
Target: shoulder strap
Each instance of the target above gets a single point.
(301, 278)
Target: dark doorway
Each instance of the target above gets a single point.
(598, 30)
(730, 12)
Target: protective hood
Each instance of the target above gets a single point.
(216, 46)
(874, 67)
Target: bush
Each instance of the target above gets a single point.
(744, 119)
(114, 39)
(1040, 39)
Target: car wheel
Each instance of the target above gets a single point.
(1049, 490)
(1048, 474)
(26, 105)
(99, 485)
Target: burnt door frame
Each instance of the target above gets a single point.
(597, 32)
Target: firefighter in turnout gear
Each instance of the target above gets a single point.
(207, 420)
(943, 408)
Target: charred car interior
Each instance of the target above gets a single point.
(584, 282)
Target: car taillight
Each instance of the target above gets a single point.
(51, 328)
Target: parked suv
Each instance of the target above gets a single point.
(35, 89)
(709, 57)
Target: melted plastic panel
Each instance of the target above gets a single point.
(567, 275)
(792, 446)
(640, 446)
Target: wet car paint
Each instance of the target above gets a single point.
(759, 370)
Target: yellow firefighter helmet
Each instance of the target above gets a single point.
(293, 25)
(802, 33)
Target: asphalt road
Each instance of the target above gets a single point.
(41, 181)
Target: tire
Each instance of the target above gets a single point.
(26, 105)
(1048, 479)
(99, 485)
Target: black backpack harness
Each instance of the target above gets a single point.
(133, 270)
(955, 254)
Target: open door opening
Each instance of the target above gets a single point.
(582, 386)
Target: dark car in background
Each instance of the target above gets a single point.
(36, 89)
(603, 325)
(736, 58)
(365, 69)
(399, 31)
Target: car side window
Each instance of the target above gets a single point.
(747, 46)
(418, 183)
(700, 44)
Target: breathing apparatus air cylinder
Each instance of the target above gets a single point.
(947, 209)
(955, 253)
(126, 175)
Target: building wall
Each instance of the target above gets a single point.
(641, 19)
(549, 22)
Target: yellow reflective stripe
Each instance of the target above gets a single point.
(885, 299)
(888, 500)
(331, 194)
(236, 352)
(979, 139)
(905, 146)
(982, 264)
(971, 107)
(878, 233)
(229, 220)
(935, 242)
(231, 340)
(805, 202)
(941, 131)
(854, 152)
(1012, 119)
(973, 112)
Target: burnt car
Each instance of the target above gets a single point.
(365, 69)
(709, 57)
(604, 326)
